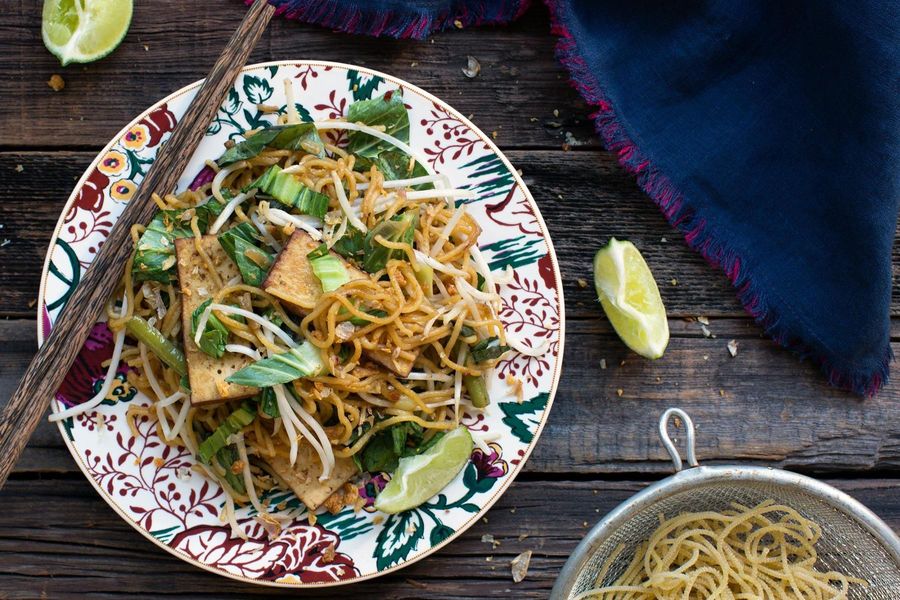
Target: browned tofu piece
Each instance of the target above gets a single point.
(291, 278)
(206, 373)
(303, 476)
(401, 365)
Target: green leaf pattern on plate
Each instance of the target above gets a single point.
(489, 178)
(522, 418)
(399, 537)
(363, 86)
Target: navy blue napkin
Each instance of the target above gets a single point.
(766, 132)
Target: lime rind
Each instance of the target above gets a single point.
(82, 31)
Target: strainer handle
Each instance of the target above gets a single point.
(670, 445)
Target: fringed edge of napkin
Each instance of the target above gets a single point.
(697, 234)
(412, 23)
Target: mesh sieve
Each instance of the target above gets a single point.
(854, 541)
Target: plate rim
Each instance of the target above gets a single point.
(557, 373)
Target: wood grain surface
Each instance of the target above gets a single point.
(59, 539)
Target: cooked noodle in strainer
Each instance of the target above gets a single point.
(826, 544)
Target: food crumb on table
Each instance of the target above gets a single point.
(732, 348)
(56, 83)
(582, 283)
(472, 68)
(519, 566)
(603, 364)
(19, 168)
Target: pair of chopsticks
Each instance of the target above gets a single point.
(49, 366)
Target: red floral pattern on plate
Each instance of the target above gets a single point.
(147, 471)
(531, 316)
(518, 214)
(302, 552)
(453, 138)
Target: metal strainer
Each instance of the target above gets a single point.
(854, 541)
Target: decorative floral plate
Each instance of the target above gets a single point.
(151, 484)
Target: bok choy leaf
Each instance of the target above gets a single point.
(389, 112)
(297, 136)
(488, 349)
(328, 268)
(268, 403)
(154, 254)
(400, 229)
(243, 245)
(395, 164)
(214, 336)
(236, 421)
(287, 189)
(153, 338)
(226, 457)
(303, 361)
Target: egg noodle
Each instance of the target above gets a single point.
(433, 304)
(744, 553)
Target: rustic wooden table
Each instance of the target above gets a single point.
(59, 539)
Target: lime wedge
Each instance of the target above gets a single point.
(84, 30)
(420, 477)
(631, 299)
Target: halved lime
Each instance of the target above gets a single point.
(631, 299)
(420, 477)
(84, 30)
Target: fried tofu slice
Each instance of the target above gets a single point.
(291, 280)
(400, 362)
(303, 476)
(206, 373)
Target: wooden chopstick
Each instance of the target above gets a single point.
(52, 361)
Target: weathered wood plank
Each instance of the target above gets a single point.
(172, 44)
(58, 538)
(762, 406)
